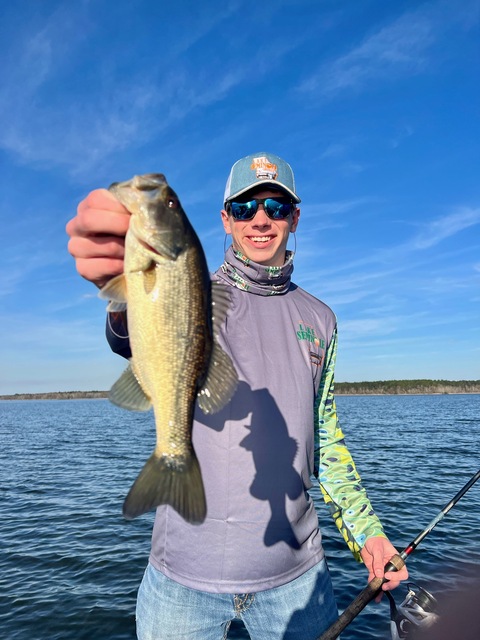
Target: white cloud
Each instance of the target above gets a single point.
(122, 106)
(442, 228)
(334, 208)
(354, 329)
(20, 267)
(401, 48)
(405, 132)
(397, 48)
(337, 299)
(334, 150)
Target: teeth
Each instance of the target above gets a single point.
(261, 239)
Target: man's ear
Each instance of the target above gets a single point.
(295, 217)
(226, 221)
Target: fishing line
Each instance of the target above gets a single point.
(395, 564)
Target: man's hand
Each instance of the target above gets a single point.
(97, 236)
(375, 554)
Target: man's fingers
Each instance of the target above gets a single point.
(107, 267)
(102, 199)
(390, 585)
(97, 247)
(394, 578)
(97, 236)
(90, 222)
(99, 213)
(378, 568)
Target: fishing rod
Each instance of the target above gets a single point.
(395, 564)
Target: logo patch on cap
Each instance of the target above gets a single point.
(264, 168)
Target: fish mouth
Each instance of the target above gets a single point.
(148, 247)
(149, 182)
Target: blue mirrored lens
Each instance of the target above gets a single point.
(243, 210)
(275, 208)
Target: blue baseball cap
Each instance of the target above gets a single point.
(260, 169)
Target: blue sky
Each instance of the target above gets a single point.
(375, 104)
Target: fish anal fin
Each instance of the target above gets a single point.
(164, 480)
(115, 289)
(220, 382)
(127, 393)
(115, 307)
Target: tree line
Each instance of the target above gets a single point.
(401, 387)
(379, 387)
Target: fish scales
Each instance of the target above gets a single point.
(175, 358)
(176, 351)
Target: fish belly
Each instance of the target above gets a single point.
(171, 342)
(170, 346)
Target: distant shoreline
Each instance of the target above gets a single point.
(377, 388)
(57, 395)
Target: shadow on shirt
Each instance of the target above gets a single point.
(273, 452)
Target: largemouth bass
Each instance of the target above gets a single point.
(174, 312)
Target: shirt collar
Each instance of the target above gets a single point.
(257, 278)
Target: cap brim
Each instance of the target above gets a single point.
(276, 187)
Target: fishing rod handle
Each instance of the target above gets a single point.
(364, 597)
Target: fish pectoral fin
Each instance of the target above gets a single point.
(116, 307)
(127, 392)
(165, 480)
(150, 279)
(220, 383)
(116, 292)
(221, 301)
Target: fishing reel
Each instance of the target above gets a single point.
(417, 611)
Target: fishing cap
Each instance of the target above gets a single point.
(260, 169)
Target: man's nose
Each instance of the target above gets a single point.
(261, 217)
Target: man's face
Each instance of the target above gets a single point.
(262, 239)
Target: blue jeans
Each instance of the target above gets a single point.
(299, 610)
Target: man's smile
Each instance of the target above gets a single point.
(261, 239)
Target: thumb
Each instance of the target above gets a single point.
(378, 567)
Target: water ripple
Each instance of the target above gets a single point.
(71, 565)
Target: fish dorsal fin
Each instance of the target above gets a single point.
(220, 383)
(221, 301)
(116, 292)
(127, 393)
(221, 379)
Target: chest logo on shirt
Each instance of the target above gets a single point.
(305, 332)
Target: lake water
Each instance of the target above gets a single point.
(70, 565)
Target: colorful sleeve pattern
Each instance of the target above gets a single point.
(335, 469)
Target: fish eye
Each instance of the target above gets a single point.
(172, 203)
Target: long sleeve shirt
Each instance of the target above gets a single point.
(259, 454)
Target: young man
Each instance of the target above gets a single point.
(259, 553)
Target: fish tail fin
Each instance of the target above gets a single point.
(164, 481)
(283, 533)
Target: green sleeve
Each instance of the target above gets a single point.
(335, 469)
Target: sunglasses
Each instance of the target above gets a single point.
(275, 208)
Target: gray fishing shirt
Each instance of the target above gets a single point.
(257, 456)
